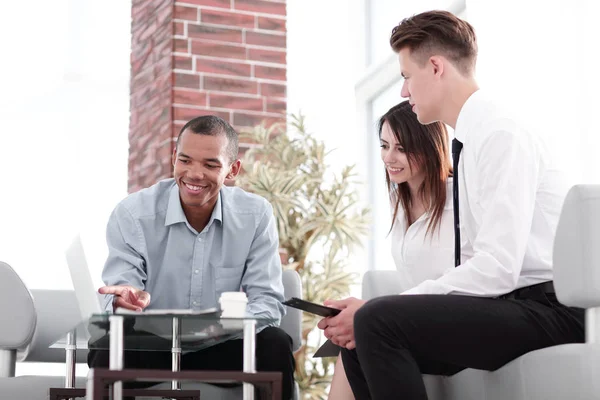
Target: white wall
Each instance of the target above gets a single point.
(64, 121)
(542, 56)
(324, 60)
(64, 115)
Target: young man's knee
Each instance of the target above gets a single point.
(372, 310)
(273, 342)
(98, 359)
(275, 337)
(274, 353)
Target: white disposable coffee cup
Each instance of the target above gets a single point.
(233, 304)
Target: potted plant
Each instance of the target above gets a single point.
(319, 220)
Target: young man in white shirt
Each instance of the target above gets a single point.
(503, 303)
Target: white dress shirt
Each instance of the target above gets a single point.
(420, 257)
(511, 196)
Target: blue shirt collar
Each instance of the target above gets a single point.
(175, 212)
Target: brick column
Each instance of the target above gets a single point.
(195, 57)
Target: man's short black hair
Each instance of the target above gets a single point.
(212, 125)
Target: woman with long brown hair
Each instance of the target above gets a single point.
(418, 174)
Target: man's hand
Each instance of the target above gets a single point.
(127, 296)
(340, 329)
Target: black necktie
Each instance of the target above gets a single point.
(456, 148)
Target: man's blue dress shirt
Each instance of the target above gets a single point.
(153, 247)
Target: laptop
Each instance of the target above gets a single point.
(87, 294)
(89, 301)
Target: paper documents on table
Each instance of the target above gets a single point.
(172, 311)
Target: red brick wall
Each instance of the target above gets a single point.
(195, 57)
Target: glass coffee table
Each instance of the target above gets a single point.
(176, 332)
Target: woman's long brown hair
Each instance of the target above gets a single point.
(425, 146)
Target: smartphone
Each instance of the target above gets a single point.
(312, 308)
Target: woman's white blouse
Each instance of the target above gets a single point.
(420, 257)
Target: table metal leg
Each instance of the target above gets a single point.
(8, 361)
(71, 353)
(93, 389)
(70, 359)
(592, 325)
(176, 351)
(116, 352)
(249, 355)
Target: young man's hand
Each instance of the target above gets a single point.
(340, 329)
(127, 296)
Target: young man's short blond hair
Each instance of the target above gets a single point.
(437, 33)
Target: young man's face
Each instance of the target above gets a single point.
(200, 166)
(420, 87)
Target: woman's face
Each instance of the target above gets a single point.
(395, 159)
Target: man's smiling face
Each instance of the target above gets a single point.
(200, 166)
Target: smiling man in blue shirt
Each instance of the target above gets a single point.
(182, 242)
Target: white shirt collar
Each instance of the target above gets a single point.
(466, 114)
(449, 205)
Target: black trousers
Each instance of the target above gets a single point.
(398, 338)
(273, 353)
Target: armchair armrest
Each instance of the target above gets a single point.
(57, 313)
(18, 316)
(291, 322)
(576, 255)
(17, 310)
(380, 283)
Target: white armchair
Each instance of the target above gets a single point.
(31, 323)
(18, 316)
(562, 372)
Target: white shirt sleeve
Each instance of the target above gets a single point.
(506, 177)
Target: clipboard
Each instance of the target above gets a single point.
(328, 349)
(312, 308)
